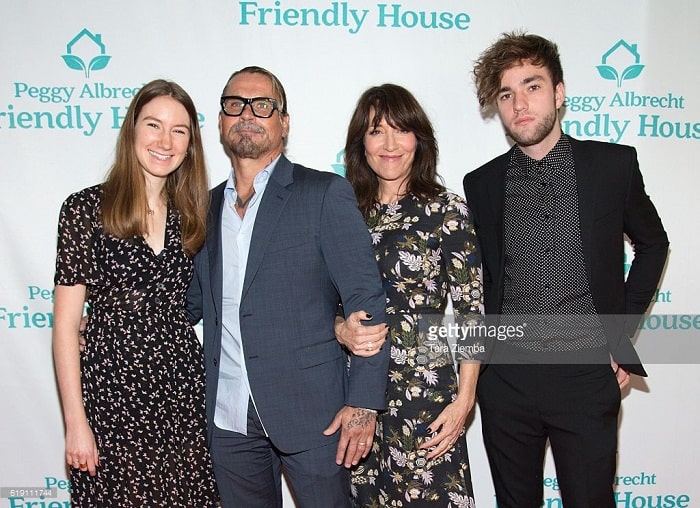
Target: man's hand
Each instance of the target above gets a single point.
(356, 434)
(360, 340)
(623, 377)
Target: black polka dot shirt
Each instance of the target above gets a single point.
(545, 281)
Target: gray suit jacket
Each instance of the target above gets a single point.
(612, 204)
(310, 250)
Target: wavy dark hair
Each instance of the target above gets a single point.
(401, 110)
(124, 202)
(510, 50)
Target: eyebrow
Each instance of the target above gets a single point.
(149, 117)
(525, 81)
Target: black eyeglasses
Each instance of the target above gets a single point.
(262, 107)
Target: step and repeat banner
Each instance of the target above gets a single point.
(69, 69)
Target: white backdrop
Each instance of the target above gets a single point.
(68, 70)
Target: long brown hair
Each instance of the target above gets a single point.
(400, 109)
(124, 203)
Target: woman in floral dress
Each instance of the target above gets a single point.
(426, 248)
(133, 401)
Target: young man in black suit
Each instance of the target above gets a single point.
(551, 215)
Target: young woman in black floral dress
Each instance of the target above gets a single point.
(426, 248)
(133, 401)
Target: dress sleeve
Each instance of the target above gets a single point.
(78, 236)
(462, 258)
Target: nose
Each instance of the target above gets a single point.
(247, 111)
(519, 103)
(166, 139)
(390, 140)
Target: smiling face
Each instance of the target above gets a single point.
(390, 152)
(161, 136)
(247, 136)
(528, 104)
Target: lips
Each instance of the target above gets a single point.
(159, 156)
(524, 121)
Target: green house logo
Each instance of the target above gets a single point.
(91, 48)
(339, 166)
(624, 52)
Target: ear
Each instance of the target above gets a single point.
(559, 94)
(284, 121)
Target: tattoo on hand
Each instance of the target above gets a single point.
(361, 418)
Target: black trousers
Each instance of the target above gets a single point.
(574, 406)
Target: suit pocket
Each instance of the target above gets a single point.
(318, 354)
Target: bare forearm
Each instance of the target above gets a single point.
(468, 376)
(68, 308)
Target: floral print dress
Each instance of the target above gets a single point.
(425, 251)
(142, 370)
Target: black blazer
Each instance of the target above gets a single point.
(612, 204)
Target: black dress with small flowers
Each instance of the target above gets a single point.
(425, 251)
(142, 369)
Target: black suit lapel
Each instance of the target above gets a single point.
(496, 198)
(587, 197)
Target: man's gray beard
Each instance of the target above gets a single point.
(245, 148)
(542, 131)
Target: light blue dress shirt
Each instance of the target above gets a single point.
(233, 390)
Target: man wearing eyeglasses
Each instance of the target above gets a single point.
(285, 246)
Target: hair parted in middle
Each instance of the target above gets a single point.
(512, 49)
(124, 203)
(401, 110)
